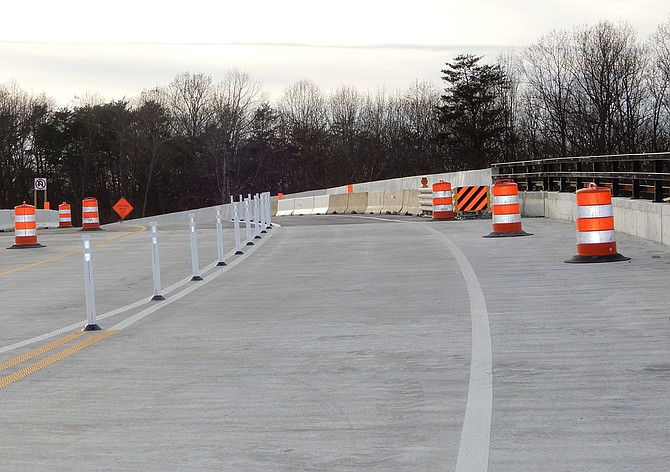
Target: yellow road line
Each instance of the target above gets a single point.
(31, 369)
(55, 258)
(39, 351)
(107, 241)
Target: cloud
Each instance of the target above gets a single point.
(115, 71)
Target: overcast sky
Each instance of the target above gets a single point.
(117, 49)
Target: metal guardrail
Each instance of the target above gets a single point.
(643, 176)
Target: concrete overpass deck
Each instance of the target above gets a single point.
(336, 343)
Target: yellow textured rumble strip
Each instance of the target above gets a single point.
(31, 369)
(39, 351)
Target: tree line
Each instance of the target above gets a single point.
(194, 142)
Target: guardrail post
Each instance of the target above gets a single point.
(616, 186)
(636, 182)
(658, 184)
(91, 324)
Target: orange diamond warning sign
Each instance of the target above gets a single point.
(122, 208)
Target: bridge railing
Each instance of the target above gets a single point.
(640, 176)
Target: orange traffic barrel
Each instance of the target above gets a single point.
(595, 226)
(506, 210)
(443, 201)
(25, 227)
(64, 215)
(90, 219)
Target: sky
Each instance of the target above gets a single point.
(115, 50)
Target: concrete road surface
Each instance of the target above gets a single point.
(336, 343)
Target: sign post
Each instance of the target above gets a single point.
(40, 184)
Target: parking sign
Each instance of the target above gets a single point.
(40, 183)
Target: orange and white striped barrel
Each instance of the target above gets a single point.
(506, 210)
(595, 226)
(64, 215)
(90, 218)
(443, 202)
(25, 227)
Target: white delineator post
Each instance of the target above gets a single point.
(268, 209)
(155, 262)
(236, 225)
(247, 219)
(194, 249)
(88, 286)
(264, 221)
(257, 216)
(219, 238)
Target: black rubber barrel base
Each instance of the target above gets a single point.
(507, 235)
(590, 259)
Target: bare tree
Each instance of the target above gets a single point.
(548, 71)
(659, 87)
(189, 98)
(302, 110)
(20, 114)
(345, 107)
(419, 104)
(152, 133)
(235, 100)
(375, 129)
(605, 55)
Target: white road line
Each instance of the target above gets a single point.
(473, 451)
(191, 288)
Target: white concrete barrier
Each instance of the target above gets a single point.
(357, 203)
(6, 220)
(285, 207)
(44, 218)
(337, 204)
(321, 204)
(375, 203)
(560, 206)
(303, 206)
(392, 202)
(410, 203)
(532, 203)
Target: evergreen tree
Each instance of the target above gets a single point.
(471, 114)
